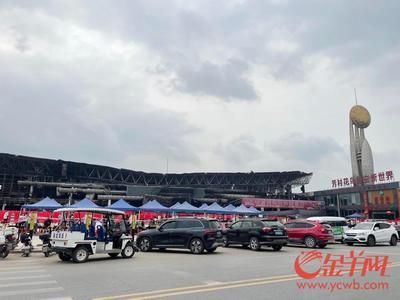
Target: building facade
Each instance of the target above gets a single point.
(378, 201)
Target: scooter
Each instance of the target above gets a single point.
(27, 246)
(3, 247)
(7, 243)
(46, 247)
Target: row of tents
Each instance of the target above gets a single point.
(150, 206)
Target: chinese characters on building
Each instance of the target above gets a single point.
(369, 179)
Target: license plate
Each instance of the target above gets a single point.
(218, 234)
(278, 232)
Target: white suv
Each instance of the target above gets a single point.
(371, 233)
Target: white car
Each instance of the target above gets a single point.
(371, 233)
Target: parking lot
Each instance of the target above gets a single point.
(232, 272)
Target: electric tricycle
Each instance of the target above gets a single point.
(77, 240)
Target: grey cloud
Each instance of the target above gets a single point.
(226, 82)
(352, 33)
(239, 152)
(297, 147)
(59, 111)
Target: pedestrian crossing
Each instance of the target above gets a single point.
(26, 278)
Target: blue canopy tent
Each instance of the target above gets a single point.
(175, 206)
(230, 207)
(215, 208)
(255, 210)
(187, 207)
(44, 204)
(121, 204)
(243, 210)
(354, 216)
(84, 203)
(154, 206)
(203, 207)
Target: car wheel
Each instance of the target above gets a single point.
(80, 254)
(196, 246)
(350, 244)
(211, 250)
(145, 244)
(113, 255)
(371, 241)
(277, 247)
(310, 242)
(322, 246)
(254, 244)
(393, 240)
(64, 256)
(128, 251)
(225, 241)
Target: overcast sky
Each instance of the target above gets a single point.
(211, 85)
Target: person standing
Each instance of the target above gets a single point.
(32, 224)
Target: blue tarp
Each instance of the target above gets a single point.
(84, 203)
(121, 204)
(46, 203)
(243, 210)
(154, 206)
(186, 207)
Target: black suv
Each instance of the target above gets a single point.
(255, 233)
(195, 234)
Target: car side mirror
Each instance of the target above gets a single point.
(376, 228)
(160, 229)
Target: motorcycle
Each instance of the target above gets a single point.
(27, 246)
(46, 247)
(7, 243)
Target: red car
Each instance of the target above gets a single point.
(311, 234)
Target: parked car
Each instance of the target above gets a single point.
(255, 233)
(338, 225)
(309, 233)
(195, 234)
(371, 233)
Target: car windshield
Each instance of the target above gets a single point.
(272, 223)
(364, 226)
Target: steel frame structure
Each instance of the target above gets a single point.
(15, 167)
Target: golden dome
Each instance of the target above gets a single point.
(360, 116)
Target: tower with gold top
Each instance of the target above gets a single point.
(362, 162)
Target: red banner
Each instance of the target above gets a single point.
(281, 203)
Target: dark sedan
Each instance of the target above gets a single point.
(255, 233)
(195, 234)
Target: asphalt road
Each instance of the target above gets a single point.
(233, 273)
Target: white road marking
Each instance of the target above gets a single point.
(5, 270)
(7, 285)
(27, 271)
(31, 291)
(24, 277)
